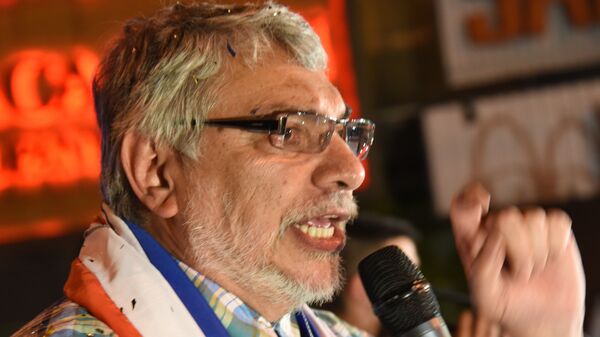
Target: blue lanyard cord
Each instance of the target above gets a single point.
(307, 328)
(189, 295)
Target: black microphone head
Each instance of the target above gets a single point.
(400, 294)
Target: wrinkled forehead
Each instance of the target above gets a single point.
(277, 86)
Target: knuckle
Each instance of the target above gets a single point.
(535, 213)
(557, 212)
(559, 218)
(508, 216)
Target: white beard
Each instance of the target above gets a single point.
(238, 255)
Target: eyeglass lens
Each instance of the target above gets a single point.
(359, 137)
(312, 133)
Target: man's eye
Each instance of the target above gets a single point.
(297, 138)
(291, 135)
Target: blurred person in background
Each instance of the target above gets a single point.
(367, 234)
(228, 168)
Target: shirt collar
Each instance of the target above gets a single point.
(238, 318)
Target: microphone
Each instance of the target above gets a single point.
(401, 296)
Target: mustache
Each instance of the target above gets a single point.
(314, 208)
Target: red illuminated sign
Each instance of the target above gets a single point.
(517, 18)
(47, 127)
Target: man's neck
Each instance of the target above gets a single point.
(161, 231)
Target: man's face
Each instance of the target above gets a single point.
(271, 221)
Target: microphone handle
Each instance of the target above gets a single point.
(435, 327)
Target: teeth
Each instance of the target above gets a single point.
(317, 232)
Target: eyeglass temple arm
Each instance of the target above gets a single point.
(269, 125)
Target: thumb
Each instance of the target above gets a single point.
(466, 211)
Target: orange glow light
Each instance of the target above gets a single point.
(47, 130)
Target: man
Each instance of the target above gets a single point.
(228, 167)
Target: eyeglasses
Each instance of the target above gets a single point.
(305, 131)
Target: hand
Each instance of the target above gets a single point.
(470, 325)
(523, 268)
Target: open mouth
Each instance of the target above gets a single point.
(317, 232)
(324, 227)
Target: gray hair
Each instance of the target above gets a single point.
(160, 77)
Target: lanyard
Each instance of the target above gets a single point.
(189, 295)
(307, 328)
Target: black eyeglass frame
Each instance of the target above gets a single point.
(276, 124)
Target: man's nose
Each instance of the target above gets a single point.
(339, 169)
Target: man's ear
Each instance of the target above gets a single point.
(150, 171)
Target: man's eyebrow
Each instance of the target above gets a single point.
(271, 110)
